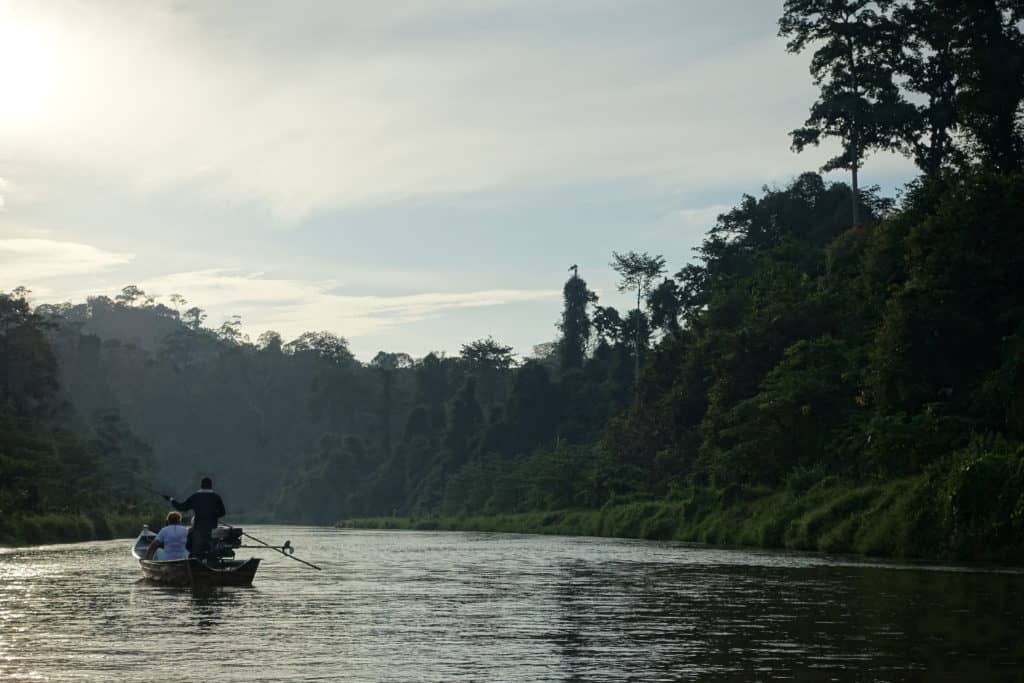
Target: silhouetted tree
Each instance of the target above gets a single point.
(129, 296)
(270, 341)
(194, 318)
(859, 102)
(575, 323)
(637, 272)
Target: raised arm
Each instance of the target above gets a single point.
(182, 506)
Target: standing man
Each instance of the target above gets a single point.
(207, 508)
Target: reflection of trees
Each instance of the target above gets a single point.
(619, 620)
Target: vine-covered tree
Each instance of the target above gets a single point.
(575, 323)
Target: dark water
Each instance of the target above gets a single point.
(403, 606)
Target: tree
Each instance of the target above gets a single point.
(177, 300)
(665, 304)
(487, 353)
(325, 345)
(859, 102)
(575, 324)
(637, 272)
(386, 363)
(463, 423)
(129, 295)
(489, 362)
(607, 325)
(194, 318)
(990, 67)
(230, 331)
(269, 341)
(927, 59)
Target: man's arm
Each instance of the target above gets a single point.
(187, 504)
(220, 507)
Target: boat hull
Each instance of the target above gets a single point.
(193, 572)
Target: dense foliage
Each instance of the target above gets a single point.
(831, 357)
(51, 459)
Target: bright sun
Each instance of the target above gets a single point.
(28, 70)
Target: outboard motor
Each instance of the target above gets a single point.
(224, 541)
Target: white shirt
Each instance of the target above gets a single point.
(173, 536)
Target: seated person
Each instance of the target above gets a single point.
(169, 544)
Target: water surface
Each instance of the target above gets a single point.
(421, 606)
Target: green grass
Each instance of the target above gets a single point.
(39, 529)
(900, 518)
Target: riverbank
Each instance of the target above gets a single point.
(22, 530)
(909, 518)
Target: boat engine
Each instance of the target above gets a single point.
(225, 540)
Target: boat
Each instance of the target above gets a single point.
(221, 569)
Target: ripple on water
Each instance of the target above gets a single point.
(448, 606)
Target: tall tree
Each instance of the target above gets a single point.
(927, 60)
(488, 361)
(230, 331)
(487, 353)
(990, 53)
(637, 272)
(129, 295)
(464, 420)
(665, 303)
(325, 345)
(386, 364)
(859, 102)
(575, 324)
(194, 318)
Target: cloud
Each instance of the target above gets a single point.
(703, 218)
(302, 112)
(294, 306)
(24, 261)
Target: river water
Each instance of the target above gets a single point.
(422, 606)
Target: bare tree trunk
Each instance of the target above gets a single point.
(856, 197)
(636, 344)
(854, 143)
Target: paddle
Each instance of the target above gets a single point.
(285, 549)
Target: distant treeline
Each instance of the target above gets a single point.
(62, 476)
(834, 370)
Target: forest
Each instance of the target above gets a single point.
(833, 369)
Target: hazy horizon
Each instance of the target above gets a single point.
(409, 177)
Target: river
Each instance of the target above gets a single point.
(423, 606)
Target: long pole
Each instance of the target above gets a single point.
(274, 547)
(263, 543)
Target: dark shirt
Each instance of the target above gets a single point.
(206, 504)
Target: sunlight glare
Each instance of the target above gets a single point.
(28, 70)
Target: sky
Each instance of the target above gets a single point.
(410, 175)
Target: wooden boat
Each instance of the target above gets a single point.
(221, 570)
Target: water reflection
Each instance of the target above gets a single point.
(443, 607)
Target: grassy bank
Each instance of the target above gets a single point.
(69, 527)
(904, 518)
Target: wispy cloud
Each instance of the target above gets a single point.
(294, 306)
(702, 218)
(302, 112)
(29, 260)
